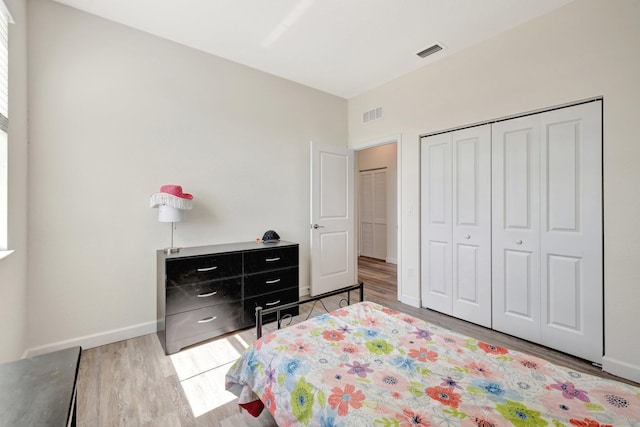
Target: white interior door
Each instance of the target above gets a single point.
(471, 224)
(436, 222)
(571, 230)
(516, 227)
(332, 219)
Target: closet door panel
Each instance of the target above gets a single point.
(518, 296)
(571, 235)
(380, 214)
(373, 214)
(380, 242)
(467, 288)
(366, 239)
(518, 146)
(437, 276)
(436, 222)
(516, 227)
(564, 292)
(380, 199)
(471, 228)
(366, 215)
(562, 175)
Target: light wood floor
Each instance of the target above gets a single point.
(132, 382)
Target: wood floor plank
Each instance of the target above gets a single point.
(133, 383)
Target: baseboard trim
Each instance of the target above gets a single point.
(96, 340)
(392, 260)
(621, 369)
(412, 301)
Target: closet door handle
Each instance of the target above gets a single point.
(273, 303)
(207, 319)
(210, 294)
(207, 269)
(271, 282)
(467, 236)
(272, 259)
(518, 242)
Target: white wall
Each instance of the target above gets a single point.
(13, 269)
(385, 156)
(116, 113)
(584, 49)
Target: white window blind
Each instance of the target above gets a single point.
(5, 19)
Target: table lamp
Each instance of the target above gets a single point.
(172, 204)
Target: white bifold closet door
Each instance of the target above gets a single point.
(373, 213)
(547, 229)
(456, 223)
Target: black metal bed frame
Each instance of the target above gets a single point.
(260, 312)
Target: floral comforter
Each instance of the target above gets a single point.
(367, 365)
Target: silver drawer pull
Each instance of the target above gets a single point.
(210, 294)
(273, 303)
(207, 319)
(207, 269)
(272, 259)
(271, 282)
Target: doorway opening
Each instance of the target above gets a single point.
(377, 219)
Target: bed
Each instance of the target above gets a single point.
(367, 365)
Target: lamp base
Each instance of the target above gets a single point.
(171, 250)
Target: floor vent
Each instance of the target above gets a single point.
(370, 115)
(430, 50)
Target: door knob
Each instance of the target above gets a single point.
(316, 226)
(467, 236)
(518, 242)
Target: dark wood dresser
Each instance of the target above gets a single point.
(207, 291)
(40, 390)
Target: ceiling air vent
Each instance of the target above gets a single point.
(370, 115)
(430, 50)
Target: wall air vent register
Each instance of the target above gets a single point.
(374, 114)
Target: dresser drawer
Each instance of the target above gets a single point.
(203, 321)
(270, 281)
(185, 271)
(269, 259)
(191, 297)
(271, 300)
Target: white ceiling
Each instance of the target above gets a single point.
(343, 47)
